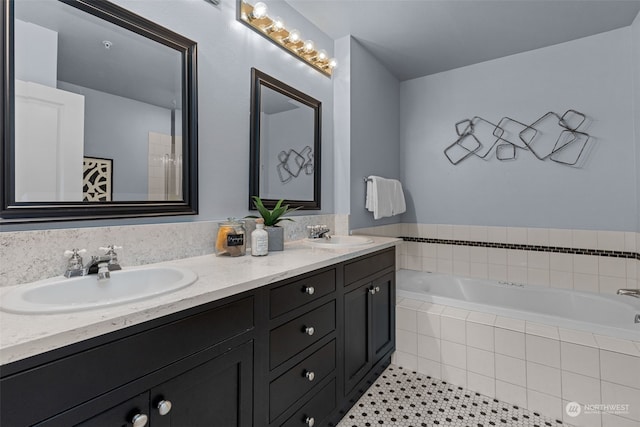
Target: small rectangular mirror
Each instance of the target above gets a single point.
(285, 144)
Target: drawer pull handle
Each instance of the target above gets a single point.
(309, 290)
(309, 330)
(310, 375)
(139, 420)
(164, 407)
(310, 421)
(372, 291)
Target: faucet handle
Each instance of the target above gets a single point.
(74, 252)
(110, 248)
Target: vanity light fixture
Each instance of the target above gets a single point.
(256, 17)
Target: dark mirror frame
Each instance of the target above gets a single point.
(259, 79)
(14, 212)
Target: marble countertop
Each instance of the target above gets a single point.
(22, 336)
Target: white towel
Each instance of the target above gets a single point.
(384, 197)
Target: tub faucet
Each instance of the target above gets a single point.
(318, 231)
(631, 292)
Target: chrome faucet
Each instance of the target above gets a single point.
(318, 231)
(74, 265)
(100, 265)
(630, 292)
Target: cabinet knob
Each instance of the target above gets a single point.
(372, 291)
(310, 375)
(310, 421)
(309, 290)
(164, 407)
(377, 288)
(139, 420)
(309, 330)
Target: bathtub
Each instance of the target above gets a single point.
(611, 315)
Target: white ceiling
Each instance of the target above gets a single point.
(415, 38)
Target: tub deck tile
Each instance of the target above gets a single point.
(617, 345)
(578, 337)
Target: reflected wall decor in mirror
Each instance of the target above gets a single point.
(285, 144)
(99, 113)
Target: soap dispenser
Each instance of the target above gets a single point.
(259, 239)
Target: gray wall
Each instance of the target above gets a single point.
(118, 128)
(375, 106)
(342, 125)
(635, 28)
(226, 52)
(592, 75)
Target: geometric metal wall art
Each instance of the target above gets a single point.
(97, 178)
(291, 163)
(551, 137)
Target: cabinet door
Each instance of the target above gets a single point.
(383, 318)
(357, 344)
(216, 393)
(123, 414)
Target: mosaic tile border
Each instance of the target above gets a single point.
(523, 247)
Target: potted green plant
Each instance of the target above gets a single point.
(271, 220)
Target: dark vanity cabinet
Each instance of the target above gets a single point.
(302, 344)
(191, 368)
(369, 315)
(294, 353)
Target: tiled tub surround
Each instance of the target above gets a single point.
(536, 366)
(585, 260)
(28, 256)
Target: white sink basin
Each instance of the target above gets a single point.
(340, 241)
(62, 295)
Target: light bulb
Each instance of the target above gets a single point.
(294, 36)
(277, 25)
(259, 10)
(333, 63)
(322, 55)
(309, 46)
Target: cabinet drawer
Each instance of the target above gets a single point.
(364, 267)
(289, 339)
(108, 366)
(297, 381)
(288, 297)
(317, 409)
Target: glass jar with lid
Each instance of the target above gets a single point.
(230, 240)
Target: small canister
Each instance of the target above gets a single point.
(230, 240)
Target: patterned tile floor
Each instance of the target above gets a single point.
(407, 399)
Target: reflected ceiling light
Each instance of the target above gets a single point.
(257, 18)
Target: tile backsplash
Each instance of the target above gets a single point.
(33, 255)
(585, 260)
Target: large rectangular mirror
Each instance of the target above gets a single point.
(285, 144)
(99, 113)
